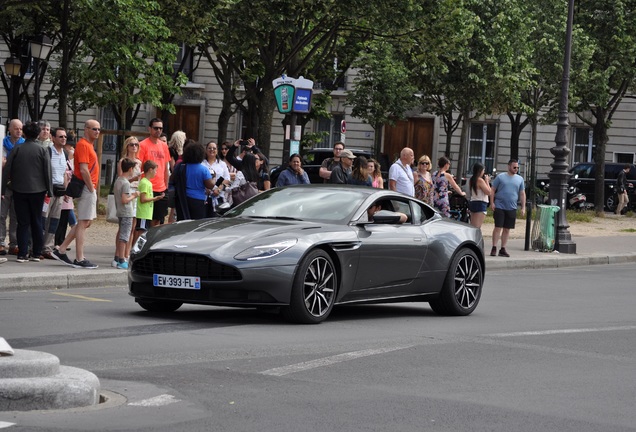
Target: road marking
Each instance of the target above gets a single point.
(161, 400)
(326, 361)
(562, 331)
(81, 297)
(4, 425)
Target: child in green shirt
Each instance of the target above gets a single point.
(146, 199)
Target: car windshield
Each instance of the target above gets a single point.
(317, 203)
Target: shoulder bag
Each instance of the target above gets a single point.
(244, 192)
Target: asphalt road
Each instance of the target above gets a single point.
(553, 350)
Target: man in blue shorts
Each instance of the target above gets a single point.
(506, 191)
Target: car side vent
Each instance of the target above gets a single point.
(345, 246)
(181, 264)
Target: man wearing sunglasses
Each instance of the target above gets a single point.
(152, 148)
(506, 191)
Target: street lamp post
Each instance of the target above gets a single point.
(12, 67)
(559, 174)
(40, 49)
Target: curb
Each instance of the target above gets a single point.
(55, 280)
(559, 261)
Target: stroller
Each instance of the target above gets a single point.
(459, 207)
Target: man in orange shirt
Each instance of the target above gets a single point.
(86, 167)
(152, 148)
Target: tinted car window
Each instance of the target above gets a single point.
(583, 170)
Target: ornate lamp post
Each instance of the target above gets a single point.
(40, 48)
(559, 174)
(12, 67)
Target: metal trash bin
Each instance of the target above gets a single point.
(544, 229)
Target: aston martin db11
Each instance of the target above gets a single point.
(305, 249)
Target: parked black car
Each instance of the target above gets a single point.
(583, 177)
(313, 160)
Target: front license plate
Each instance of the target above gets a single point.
(181, 282)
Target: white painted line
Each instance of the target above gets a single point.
(562, 331)
(326, 361)
(4, 425)
(161, 400)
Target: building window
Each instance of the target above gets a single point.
(583, 145)
(332, 127)
(109, 143)
(482, 145)
(184, 55)
(624, 158)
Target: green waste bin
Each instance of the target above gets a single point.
(544, 228)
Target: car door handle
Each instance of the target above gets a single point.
(417, 239)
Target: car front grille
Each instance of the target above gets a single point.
(180, 264)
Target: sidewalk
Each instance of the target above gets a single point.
(51, 274)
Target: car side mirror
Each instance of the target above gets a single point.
(386, 217)
(223, 208)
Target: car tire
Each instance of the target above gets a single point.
(462, 287)
(314, 290)
(160, 306)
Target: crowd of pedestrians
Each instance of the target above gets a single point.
(182, 179)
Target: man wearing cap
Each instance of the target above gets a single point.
(401, 174)
(341, 173)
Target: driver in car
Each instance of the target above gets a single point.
(376, 207)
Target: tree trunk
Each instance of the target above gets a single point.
(600, 143)
(377, 139)
(532, 185)
(266, 107)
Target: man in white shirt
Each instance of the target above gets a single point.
(401, 174)
(60, 179)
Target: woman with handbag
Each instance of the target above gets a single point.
(245, 184)
(191, 179)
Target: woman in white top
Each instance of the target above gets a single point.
(480, 193)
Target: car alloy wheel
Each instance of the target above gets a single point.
(462, 288)
(314, 290)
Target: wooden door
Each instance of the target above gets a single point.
(416, 133)
(186, 119)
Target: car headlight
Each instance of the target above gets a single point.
(139, 244)
(265, 251)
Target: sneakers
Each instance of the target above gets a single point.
(503, 253)
(63, 258)
(22, 259)
(493, 251)
(114, 264)
(122, 265)
(34, 259)
(84, 264)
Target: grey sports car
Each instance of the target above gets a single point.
(307, 248)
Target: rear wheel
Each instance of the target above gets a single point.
(314, 290)
(462, 287)
(161, 306)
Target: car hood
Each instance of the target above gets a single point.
(225, 237)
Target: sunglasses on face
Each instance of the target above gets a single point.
(424, 163)
(157, 128)
(133, 144)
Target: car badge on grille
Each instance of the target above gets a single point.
(180, 246)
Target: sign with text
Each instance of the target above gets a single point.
(293, 94)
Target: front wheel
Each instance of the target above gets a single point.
(462, 287)
(314, 290)
(159, 306)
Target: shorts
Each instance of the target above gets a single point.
(160, 207)
(87, 205)
(125, 227)
(477, 206)
(505, 218)
(142, 225)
